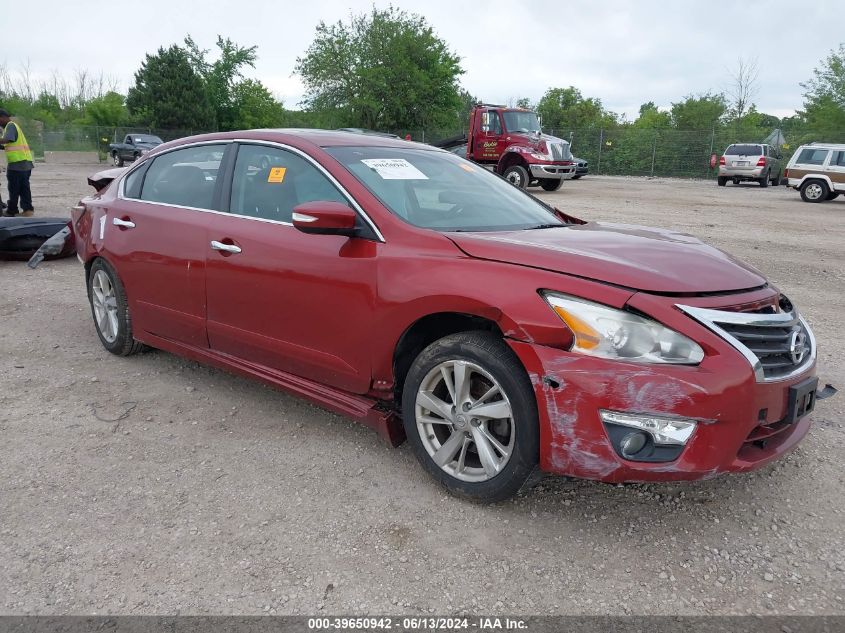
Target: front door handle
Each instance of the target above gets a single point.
(228, 248)
(126, 224)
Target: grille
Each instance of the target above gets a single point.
(774, 346)
(777, 344)
(559, 151)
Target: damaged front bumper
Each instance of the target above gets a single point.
(621, 421)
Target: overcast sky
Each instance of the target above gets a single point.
(625, 53)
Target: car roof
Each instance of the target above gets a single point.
(298, 137)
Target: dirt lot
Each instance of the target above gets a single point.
(154, 485)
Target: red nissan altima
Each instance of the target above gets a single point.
(415, 291)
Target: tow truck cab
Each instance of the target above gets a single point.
(510, 140)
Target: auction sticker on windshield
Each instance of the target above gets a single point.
(394, 169)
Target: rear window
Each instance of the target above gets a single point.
(744, 150)
(812, 156)
(184, 177)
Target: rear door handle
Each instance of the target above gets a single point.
(228, 248)
(126, 224)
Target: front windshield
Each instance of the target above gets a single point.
(147, 138)
(437, 190)
(521, 121)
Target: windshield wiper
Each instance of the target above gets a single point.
(546, 226)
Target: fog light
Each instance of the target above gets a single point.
(665, 431)
(633, 443)
(647, 438)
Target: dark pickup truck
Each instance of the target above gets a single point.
(132, 147)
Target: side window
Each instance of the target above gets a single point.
(185, 177)
(812, 156)
(269, 182)
(495, 123)
(132, 184)
(838, 159)
(490, 122)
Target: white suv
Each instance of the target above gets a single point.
(817, 170)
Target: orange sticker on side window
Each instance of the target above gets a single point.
(277, 174)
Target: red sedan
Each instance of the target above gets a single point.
(426, 297)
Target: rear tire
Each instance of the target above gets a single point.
(721, 181)
(814, 191)
(551, 184)
(517, 175)
(110, 310)
(482, 443)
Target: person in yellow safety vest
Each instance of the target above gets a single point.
(19, 166)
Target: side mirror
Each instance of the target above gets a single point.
(569, 219)
(325, 217)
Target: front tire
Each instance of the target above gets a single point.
(116, 159)
(517, 175)
(814, 191)
(110, 310)
(470, 416)
(551, 184)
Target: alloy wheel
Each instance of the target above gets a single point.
(104, 300)
(465, 421)
(814, 191)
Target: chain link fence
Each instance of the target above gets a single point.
(84, 138)
(672, 153)
(622, 151)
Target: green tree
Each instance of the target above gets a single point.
(651, 118)
(700, 112)
(824, 96)
(566, 108)
(46, 108)
(108, 110)
(254, 107)
(168, 93)
(383, 70)
(222, 76)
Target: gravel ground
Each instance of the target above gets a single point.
(155, 485)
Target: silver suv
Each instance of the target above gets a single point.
(750, 161)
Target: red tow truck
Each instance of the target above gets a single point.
(509, 141)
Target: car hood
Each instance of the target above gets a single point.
(637, 257)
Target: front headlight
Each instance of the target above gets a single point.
(608, 333)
